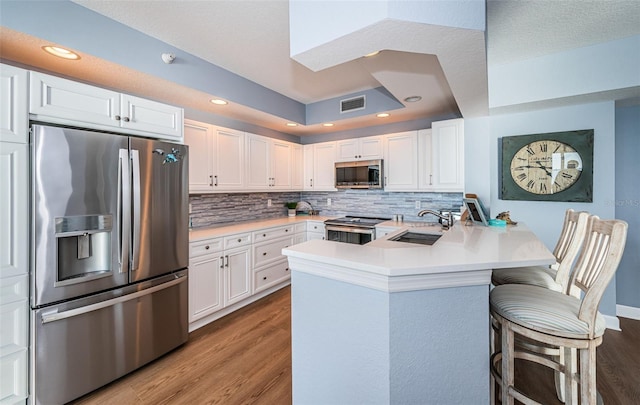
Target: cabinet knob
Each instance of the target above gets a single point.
(239, 240)
(264, 278)
(264, 254)
(264, 235)
(117, 117)
(125, 119)
(287, 269)
(286, 230)
(206, 247)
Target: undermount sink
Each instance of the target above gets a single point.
(416, 237)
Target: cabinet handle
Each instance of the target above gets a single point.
(211, 180)
(311, 183)
(431, 179)
(125, 119)
(117, 117)
(216, 177)
(222, 262)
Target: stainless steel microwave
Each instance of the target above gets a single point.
(359, 174)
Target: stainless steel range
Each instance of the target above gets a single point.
(352, 229)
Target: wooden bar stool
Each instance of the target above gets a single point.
(558, 320)
(567, 248)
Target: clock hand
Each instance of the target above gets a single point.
(544, 168)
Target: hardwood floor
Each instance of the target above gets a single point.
(245, 358)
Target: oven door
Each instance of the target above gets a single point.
(349, 234)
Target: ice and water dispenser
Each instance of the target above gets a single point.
(84, 247)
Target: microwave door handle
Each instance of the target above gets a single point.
(123, 210)
(135, 170)
(349, 229)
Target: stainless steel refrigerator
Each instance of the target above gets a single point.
(109, 253)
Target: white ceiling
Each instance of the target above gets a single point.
(251, 39)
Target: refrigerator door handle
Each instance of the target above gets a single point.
(135, 168)
(57, 316)
(123, 213)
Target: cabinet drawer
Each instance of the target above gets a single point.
(271, 275)
(271, 251)
(315, 227)
(240, 239)
(300, 227)
(205, 247)
(272, 233)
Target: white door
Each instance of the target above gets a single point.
(237, 270)
(308, 162)
(205, 286)
(401, 161)
(324, 173)
(297, 167)
(163, 120)
(448, 155)
(280, 165)
(229, 160)
(14, 91)
(347, 150)
(199, 138)
(258, 162)
(371, 148)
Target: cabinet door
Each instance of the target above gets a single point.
(347, 150)
(425, 161)
(258, 162)
(401, 161)
(297, 167)
(162, 120)
(448, 155)
(308, 162)
(199, 138)
(324, 172)
(370, 148)
(280, 165)
(14, 119)
(59, 98)
(205, 286)
(229, 160)
(237, 275)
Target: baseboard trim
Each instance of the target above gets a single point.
(612, 322)
(628, 312)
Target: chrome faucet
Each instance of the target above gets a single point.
(447, 220)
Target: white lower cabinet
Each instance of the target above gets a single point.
(315, 230)
(237, 275)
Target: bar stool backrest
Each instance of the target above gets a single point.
(597, 263)
(574, 230)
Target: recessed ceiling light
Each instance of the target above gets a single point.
(217, 101)
(292, 124)
(383, 115)
(412, 99)
(327, 124)
(371, 54)
(61, 52)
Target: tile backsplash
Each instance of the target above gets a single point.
(216, 209)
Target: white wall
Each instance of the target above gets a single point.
(545, 218)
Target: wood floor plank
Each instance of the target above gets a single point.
(245, 358)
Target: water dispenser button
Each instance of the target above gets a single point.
(84, 246)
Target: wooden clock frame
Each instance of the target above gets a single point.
(580, 191)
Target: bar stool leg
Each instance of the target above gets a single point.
(508, 345)
(588, 391)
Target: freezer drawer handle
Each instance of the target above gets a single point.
(52, 317)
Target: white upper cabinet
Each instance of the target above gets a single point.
(401, 161)
(297, 167)
(323, 177)
(441, 151)
(14, 91)
(368, 148)
(268, 163)
(307, 169)
(199, 138)
(63, 101)
(216, 158)
(228, 159)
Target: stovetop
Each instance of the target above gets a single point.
(363, 222)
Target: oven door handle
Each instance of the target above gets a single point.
(350, 229)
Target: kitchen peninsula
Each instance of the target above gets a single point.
(394, 322)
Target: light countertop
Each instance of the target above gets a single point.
(198, 234)
(461, 249)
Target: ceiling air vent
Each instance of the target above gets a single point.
(352, 104)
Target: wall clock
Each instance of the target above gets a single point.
(555, 166)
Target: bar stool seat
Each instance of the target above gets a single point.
(543, 310)
(532, 275)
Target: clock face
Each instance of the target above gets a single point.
(546, 167)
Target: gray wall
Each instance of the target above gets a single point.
(627, 202)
